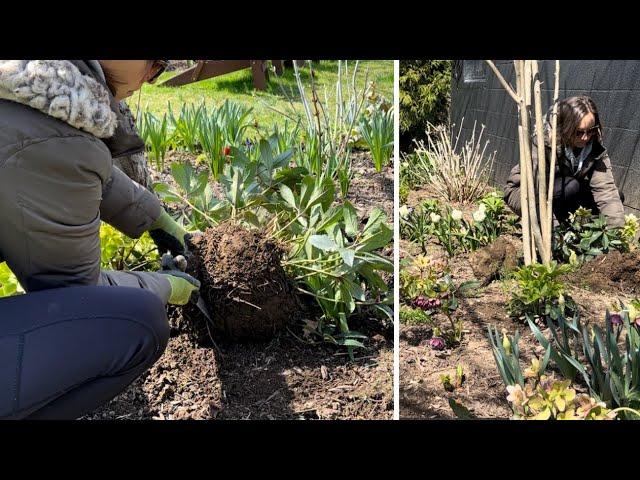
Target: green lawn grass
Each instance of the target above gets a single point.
(238, 87)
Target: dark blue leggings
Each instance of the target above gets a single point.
(569, 194)
(66, 351)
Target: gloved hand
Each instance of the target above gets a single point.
(169, 235)
(183, 286)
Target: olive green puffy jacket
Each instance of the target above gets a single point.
(60, 129)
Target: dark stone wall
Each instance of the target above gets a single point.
(477, 96)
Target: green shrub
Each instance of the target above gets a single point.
(425, 92)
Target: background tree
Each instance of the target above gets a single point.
(425, 96)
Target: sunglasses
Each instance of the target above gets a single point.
(589, 132)
(158, 67)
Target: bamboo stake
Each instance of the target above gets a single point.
(537, 213)
(533, 214)
(552, 166)
(542, 165)
(524, 202)
(503, 81)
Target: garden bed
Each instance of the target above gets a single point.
(597, 285)
(284, 377)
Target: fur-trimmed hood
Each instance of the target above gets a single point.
(58, 89)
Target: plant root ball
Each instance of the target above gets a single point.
(243, 282)
(490, 262)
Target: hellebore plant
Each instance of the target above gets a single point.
(451, 229)
(426, 284)
(587, 236)
(545, 398)
(9, 284)
(418, 276)
(444, 301)
(540, 292)
(536, 396)
(416, 225)
(331, 256)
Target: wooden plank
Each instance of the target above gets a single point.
(213, 68)
(182, 78)
(259, 74)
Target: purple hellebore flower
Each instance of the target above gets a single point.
(437, 343)
(421, 302)
(615, 319)
(425, 303)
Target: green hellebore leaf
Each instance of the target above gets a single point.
(182, 173)
(376, 217)
(350, 219)
(347, 255)
(323, 242)
(165, 193)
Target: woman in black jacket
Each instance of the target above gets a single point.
(583, 176)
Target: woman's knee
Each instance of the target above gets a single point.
(71, 336)
(153, 312)
(566, 188)
(146, 308)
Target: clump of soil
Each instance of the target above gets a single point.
(613, 271)
(489, 262)
(243, 283)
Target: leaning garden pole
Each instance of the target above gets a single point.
(552, 166)
(536, 212)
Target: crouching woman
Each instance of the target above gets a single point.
(583, 176)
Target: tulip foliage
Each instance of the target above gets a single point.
(605, 364)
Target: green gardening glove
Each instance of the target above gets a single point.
(183, 286)
(169, 235)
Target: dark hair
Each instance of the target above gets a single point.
(571, 111)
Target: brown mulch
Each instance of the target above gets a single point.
(596, 286)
